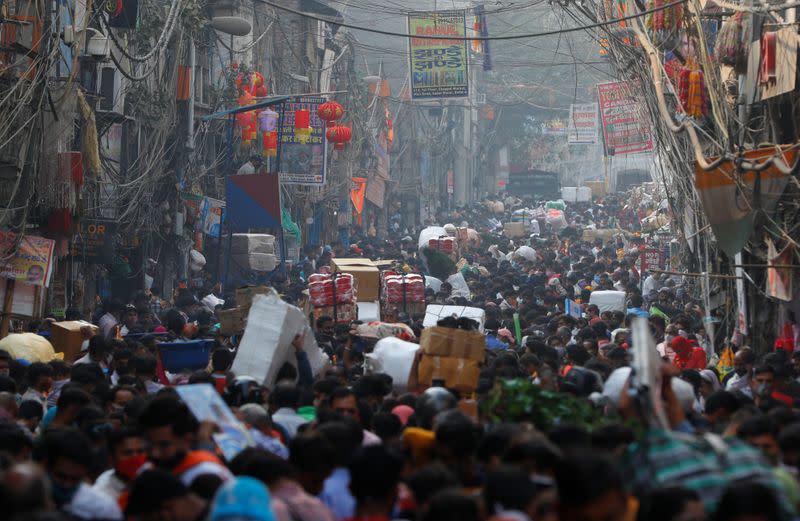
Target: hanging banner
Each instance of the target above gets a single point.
(779, 280)
(582, 124)
(625, 131)
(357, 191)
(302, 163)
(438, 68)
(30, 262)
(211, 215)
(741, 303)
(94, 241)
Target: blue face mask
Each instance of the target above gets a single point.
(62, 495)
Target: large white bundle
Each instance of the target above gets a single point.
(256, 261)
(526, 252)
(394, 357)
(267, 342)
(584, 194)
(246, 243)
(431, 232)
(433, 283)
(435, 312)
(608, 300)
(569, 194)
(459, 285)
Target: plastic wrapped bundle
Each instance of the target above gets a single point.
(443, 244)
(327, 290)
(399, 289)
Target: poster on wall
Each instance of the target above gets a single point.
(211, 215)
(582, 124)
(30, 261)
(625, 130)
(302, 163)
(438, 67)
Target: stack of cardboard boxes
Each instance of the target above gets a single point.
(452, 356)
(233, 321)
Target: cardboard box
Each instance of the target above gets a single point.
(435, 312)
(232, 321)
(600, 233)
(365, 272)
(515, 230)
(598, 188)
(67, 337)
(458, 373)
(245, 294)
(453, 343)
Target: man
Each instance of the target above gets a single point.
(764, 386)
(127, 450)
(157, 495)
(325, 335)
(512, 495)
(65, 456)
(375, 474)
(109, 321)
(130, 319)
(98, 352)
(343, 401)
(252, 166)
(256, 417)
(312, 456)
(286, 493)
(284, 401)
(346, 437)
(72, 400)
(761, 432)
(171, 432)
(582, 496)
(145, 369)
(740, 379)
(40, 380)
(637, 307)
(5, 363)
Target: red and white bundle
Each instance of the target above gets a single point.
(328, 290)
(443, 244)
(400, 288)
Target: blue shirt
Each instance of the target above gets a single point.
(493, 343)
(336, 494)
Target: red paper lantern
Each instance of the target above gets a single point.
(329, 112)
(270, 144)
(302, 125)
(339, 135)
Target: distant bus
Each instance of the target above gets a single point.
(538, 184)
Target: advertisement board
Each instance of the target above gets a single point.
(625, 131)
(30, 261)
(302, 163)
(582, 124)
(94, 242)
(438, 68)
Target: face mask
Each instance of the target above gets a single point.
(128, 467)
(763, 390)
(62, 495)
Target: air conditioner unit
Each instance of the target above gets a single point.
(111, 90)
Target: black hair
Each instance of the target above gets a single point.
(115, 438)
(458, 432)
(262, 465)
(612, 436)
(666, 504)
(99, 345)
(38, 370)
(578, 483)
(508, 488)
(533, 455)
(67, 443)
(748, 499)
(387, 426)
(13, 439)
(764, 368)
(285, 394)
(722, 400)
(30, 409)
(374, 473)
(168, 410)
(759, 425)
(452, 505)
(345, 434)
(87, 374)
(430, 479)
(312, 452)
(73, 395)
(221, 359)
(145, 365)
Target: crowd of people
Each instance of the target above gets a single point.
(107, 436)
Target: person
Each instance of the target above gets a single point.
(40, 381)
(130, 320)
(64, 454)
(252, 166)
(740, 378)
(584, 497)
(110, 319)
(255, 416)
(128, 454)
(374, 476)
(242, 499)
(160, 496)
(673, 504)
(313, 456)
(145, 367)
(345, 435)
(511, 494)
(452, 505)
(748, 502)
(97, 353)
(171, 431)
(636, 307)
(687, 355)
(325, 335)
(284, 401)
(29, 415)
(289, 501)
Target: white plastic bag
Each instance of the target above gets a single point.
(394, 357)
